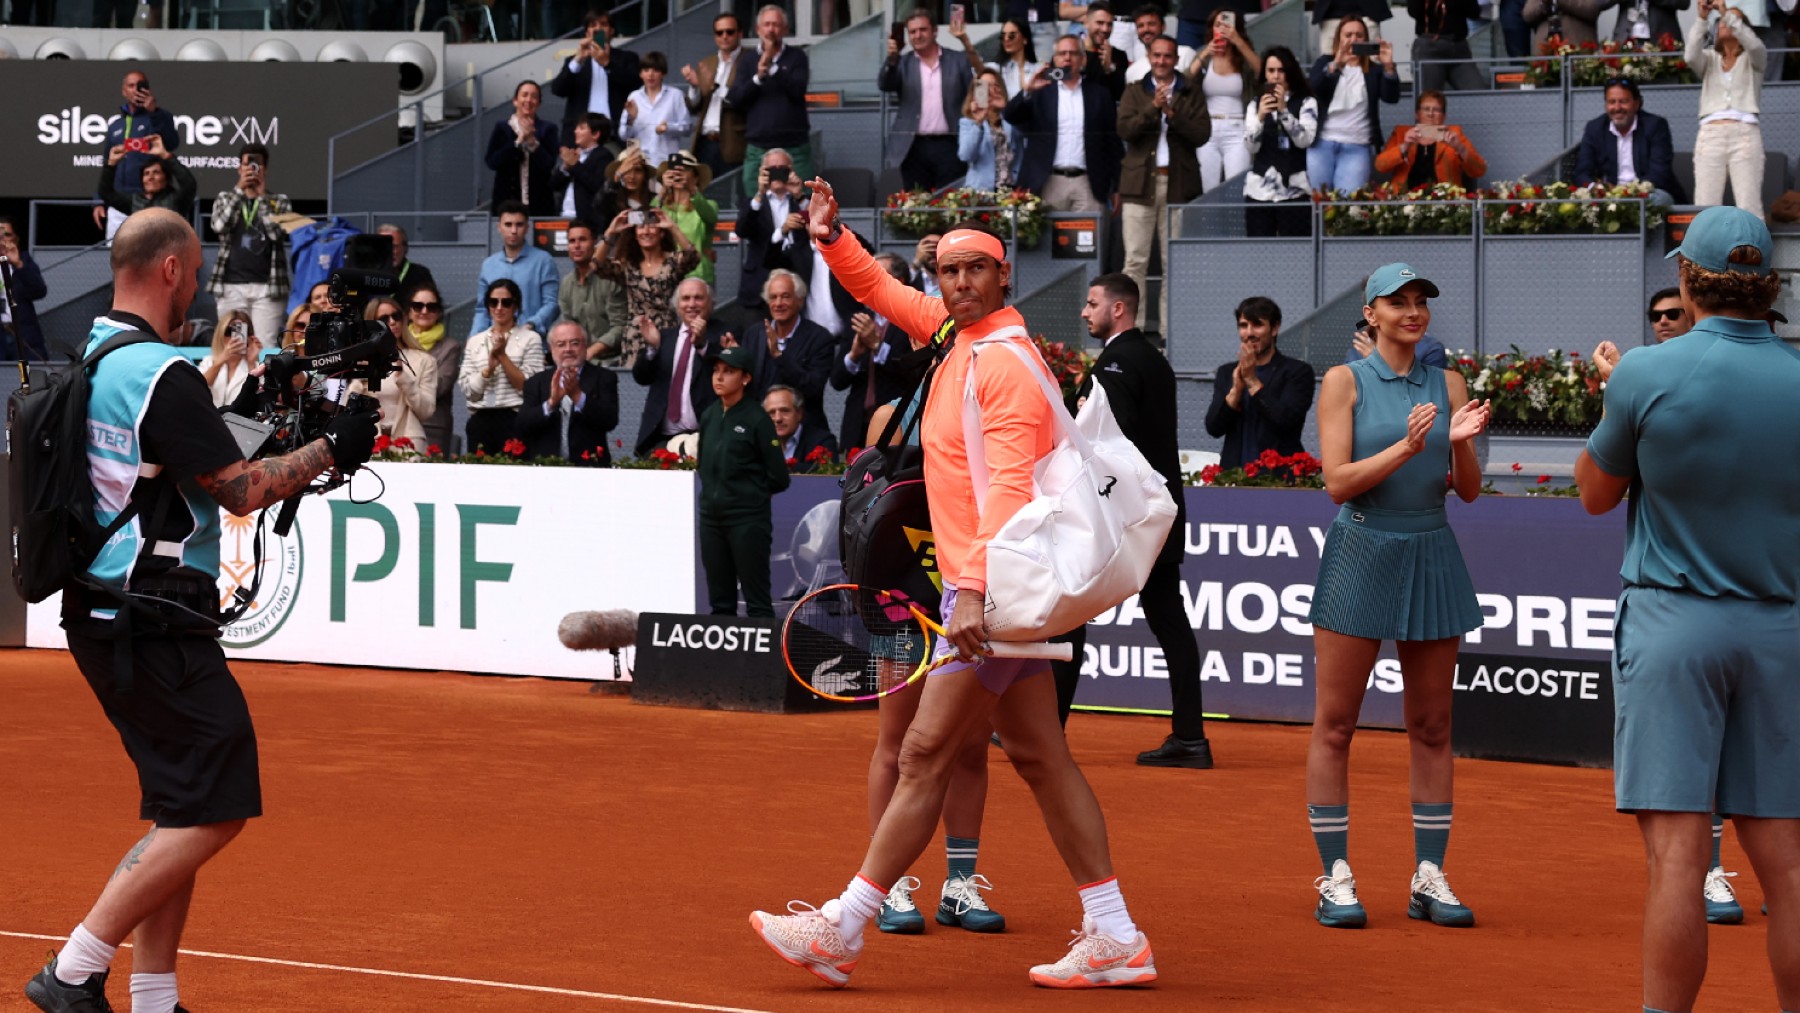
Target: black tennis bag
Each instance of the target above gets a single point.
(884, 534)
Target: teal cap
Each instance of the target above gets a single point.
(737, 357)
(1715, 232)
(1390, 278)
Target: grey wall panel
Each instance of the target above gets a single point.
(1514, 130)
(1564, 292)
(849, 137)
(1449, 262)
(1208, 278)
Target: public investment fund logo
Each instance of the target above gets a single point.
(280, 589)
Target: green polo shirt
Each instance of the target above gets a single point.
(1707, 427)
(740, 460)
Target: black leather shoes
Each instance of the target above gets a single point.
(1195, 754)
(49, 994)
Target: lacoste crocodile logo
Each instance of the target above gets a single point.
(1111, 480)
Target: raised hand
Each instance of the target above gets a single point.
(1418, 425)
(822, 212)
(647, 330)
(688, 75)
(1606, 358)
(1469, 421)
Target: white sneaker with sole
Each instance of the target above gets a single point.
(1097, 960)
(808, 938)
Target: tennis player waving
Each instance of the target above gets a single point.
(1017, 695)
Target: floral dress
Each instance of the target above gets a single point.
(648, 295)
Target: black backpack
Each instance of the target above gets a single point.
(884, 534)
(54, 533)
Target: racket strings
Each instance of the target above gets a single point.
(843, 642)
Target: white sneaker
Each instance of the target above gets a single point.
(1338, 907)
(898, 912)
(808, 938)
(961, 904)
(1434, 901)
(1097, 960)
(1722, 907)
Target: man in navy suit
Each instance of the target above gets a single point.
(932, 85)
(769, 89)
(801, 437)
(1070, 174)
(595, 60)
(570, 407)
(689, 348)
(1627, 131)
(787, 347)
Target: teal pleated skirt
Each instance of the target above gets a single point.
(1393, 575)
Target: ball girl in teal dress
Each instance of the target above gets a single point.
(1396, 436)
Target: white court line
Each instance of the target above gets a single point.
(449, 979)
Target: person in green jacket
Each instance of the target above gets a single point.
(741, 469)
(167, 183)
(684, 181)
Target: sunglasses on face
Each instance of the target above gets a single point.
(501, 302)
(1011, 35)
(388, 318)
(426, 307)
(725, 31)
(1657, 316)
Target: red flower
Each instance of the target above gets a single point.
(1208, 473)
(403, 442)
(1251, 469)
(481, 453)
(1543, 480)
(819, 455)
(1270, 459)
(514, 447)
(1517, 467)
(434, 450)
(382, 443)
(619, 443)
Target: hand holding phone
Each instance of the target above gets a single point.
(634, 218)
(1368, 49)
(981, 97)
(957, 15)
(139, 144)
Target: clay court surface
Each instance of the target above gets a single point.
(568, 851)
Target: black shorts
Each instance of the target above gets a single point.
(184, 724)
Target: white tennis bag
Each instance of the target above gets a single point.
(1088, 538)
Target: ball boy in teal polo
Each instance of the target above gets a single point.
(1704, 433)
(741, 469)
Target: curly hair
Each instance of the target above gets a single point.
(1738, 293)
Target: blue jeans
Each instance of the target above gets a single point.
(1514, 29)
(1334, 165)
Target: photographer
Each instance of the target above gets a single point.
(252, 270)
(21, 285)
(139, 119)
(1428, 151)
(166, 183)
(152, 655)
(233, 355)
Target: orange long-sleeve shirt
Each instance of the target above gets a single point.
(1017, 428)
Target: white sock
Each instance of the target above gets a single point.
(82, 957)
(859, 903)
(1105, 906)
(154, 993)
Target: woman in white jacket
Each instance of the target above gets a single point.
(1730, 140)
(409, 396)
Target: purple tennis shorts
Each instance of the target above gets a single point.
(996, 674)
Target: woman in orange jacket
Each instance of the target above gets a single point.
(1428, 152)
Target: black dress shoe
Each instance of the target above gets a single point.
(1195, 754)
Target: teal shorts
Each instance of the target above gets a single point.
(1706, 704)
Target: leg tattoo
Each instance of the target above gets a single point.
(135, 855)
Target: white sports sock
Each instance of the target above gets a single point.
(1105, 906)
(859, 903)
(154, 993)
(83, 956)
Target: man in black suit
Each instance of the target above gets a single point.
(410, 276)
(922, 137)
(596, 62)
(801, 437)
(1068, 175)
(685, 372)
(873, 364)
(771, 225)
(769, 89)
(1645, 135)
(1260, 399)
(787, 347)
(1140, 389)
(570, 407)
(580, 171)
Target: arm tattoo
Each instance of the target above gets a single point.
(248, 486)
(135, 855)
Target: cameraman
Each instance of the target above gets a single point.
(156, 667)
(139, 119)
(251, 273)
(21, 285)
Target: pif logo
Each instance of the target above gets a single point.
(282, 561)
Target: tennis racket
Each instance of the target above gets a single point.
(852, 644)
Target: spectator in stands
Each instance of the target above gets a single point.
(1349, 88)
(1329, 15)
(1226, 71)
(1441, 37)
(580, 171)
(924, 265)
(1163, 122)
(769, 89)
(1574, 20)
(649, 259)
(674, 365)
(319, 297)
(596, 303)
(718, 131)
(1730, 141)
(531, 269)
(251, 272)
(684, 200)
(930, 84)
(628, 187)
(1148, 21)
(871, 365)
(785, 346)
(655, 117)
(138, 120)
(293, 331)
(1259, 401)
(408, 276)
(827, 303)
(1279, 128)
(522, 153)
(985, 141)
(165, 182)
(1018, 62)
(21, 285)
(409, 397)
(1644, 20)
(1669, 318)
(235, 348)
(495, 363)
(771, 224)
(598, 77)
(741, 470)
(1072, 148)
(1102, 63)
(1628, 144)
(1428, 152)
(1430, 351)
(801, 438)
(571, 406)
(425, 324)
